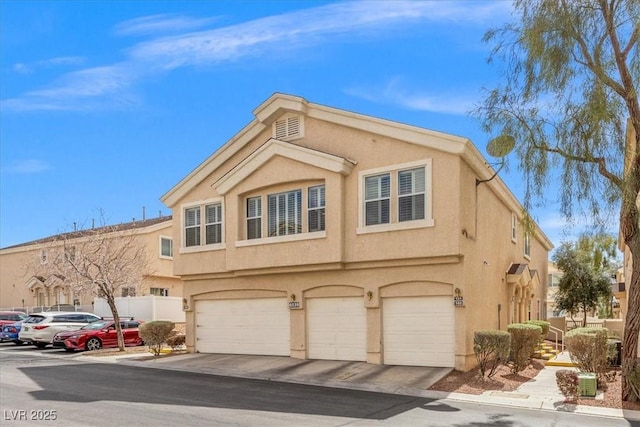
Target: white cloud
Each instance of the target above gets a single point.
(395, 91)
(163, 23)
(23, 68)
(81, 90)
(29, 166)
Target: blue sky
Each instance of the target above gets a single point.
(104, 106)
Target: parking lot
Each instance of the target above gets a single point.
(34, 351)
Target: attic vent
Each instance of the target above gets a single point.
(288, 127)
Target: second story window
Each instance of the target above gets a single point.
(527, 245)
(214, 223)
(288, 215)
(192, 226)
(395, 197)
(254, 218)
(285, 213)
(377, 199)
(315, 208)
(166, 247)
(514, 228)
(70, 253)
(411, 187)
(204, 225)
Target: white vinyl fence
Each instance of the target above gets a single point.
(147, 308)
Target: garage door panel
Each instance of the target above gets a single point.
(247, 326)
(337, 328)
(419, 331)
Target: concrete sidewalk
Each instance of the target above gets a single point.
(540, 393)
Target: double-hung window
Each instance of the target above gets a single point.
(254, 218)
(377, 199)
(411, 189)
(396, 197)
(203, 226)
(285, 213)
(213, 225)
(192, 226)
(315, 208)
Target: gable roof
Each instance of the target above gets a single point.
(133, 225)
(274, 147)
(279, 104)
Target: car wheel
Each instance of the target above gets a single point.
(41, 344)
(18, 342)
(93, 344)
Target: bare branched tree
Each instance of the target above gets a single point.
(99, 262)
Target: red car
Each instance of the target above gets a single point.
(97, 335)
(11, 317)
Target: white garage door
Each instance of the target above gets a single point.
(419, 331)
(243, 326)
(337, 328)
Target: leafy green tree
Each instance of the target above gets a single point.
(569, 97)
(581, 286)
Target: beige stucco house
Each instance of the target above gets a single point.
(22, 286)
(319, 233)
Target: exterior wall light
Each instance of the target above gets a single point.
(369, 295)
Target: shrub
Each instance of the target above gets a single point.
(491, 349)
(543, 324)
(568, 383)
(589, 349)
(176, 341)
(155, 334)
(524, 338)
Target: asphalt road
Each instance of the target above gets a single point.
(52, 387)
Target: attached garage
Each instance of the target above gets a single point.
(243, 326)
(418, 331)
(337, 328)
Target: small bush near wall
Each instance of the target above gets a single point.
(543, 324)
(568, 383)
(589, 349)
(176, 341)
(155, 334)
(491, 349)
(524, 339)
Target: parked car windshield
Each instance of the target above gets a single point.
(96, 325)
(33, 319)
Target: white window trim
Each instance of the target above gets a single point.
(202, 247)
(160, 246)
(526, 242)
(282, 239)
(322, 207)
(393, 170)
(514, 228)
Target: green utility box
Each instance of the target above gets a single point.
(587, 384)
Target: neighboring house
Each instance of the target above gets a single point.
(22, 287)
(318, 233)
